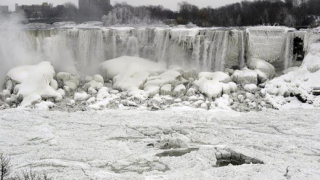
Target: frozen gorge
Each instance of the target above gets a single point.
(92, 102)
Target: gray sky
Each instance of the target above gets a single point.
(172, 4)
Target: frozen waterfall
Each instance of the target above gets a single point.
(82, 49)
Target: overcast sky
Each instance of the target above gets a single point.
(172, 4)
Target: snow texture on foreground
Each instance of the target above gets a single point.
(126, 144)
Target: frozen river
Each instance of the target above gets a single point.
(135, 144)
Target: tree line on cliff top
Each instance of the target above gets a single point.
(246, 13)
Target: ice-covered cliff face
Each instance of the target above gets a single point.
(82, 49)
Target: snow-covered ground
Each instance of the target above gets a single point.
(116, 144)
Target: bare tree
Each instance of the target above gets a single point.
(4, 166)
(31, 175)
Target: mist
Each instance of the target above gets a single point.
(13, 51)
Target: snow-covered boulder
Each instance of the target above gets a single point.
(252, 88)
(226, 88)
(92, 91)
(312, 61)
(111, 101)
(152, 90)
(191, 92)
(169, 77)
(44, 105)
(73, 86)
(233, 86)
(5, 94)
(223, 102)
(166, 89)
(91, 100)
(103, 93)
(61, 92)
(98, 78)
(211, 88)
(67, 79)
(93, 84)
(130, 73)
(88, 79)
(83, 96)
(179, 90)
(245, 76)
(35, 82)
(263, 66)
(218, 76)
(54, 84)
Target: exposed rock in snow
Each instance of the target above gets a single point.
(156, 103)
(129, 103)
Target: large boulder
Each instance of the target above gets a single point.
(263, 66)
(245, 76)
(35, 82)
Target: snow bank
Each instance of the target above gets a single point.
(299, 82)
(35, 82)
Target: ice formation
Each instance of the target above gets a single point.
(160, 67)
(35, 82)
